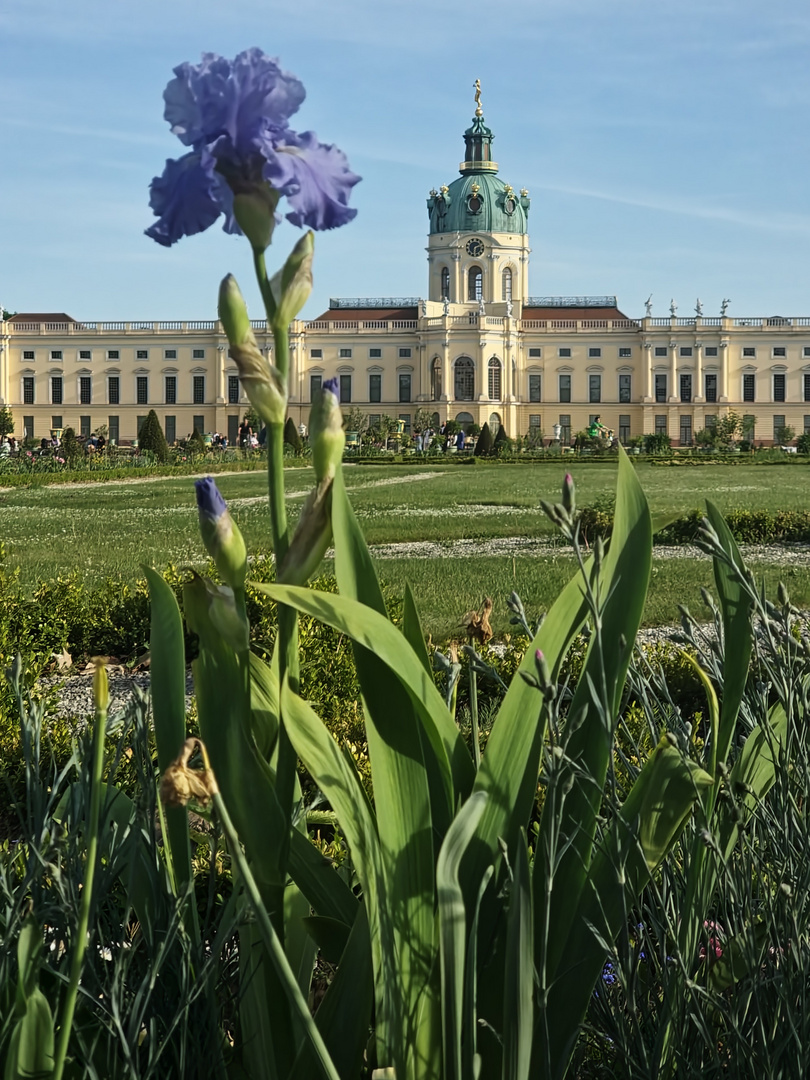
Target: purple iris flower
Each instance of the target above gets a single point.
(233, 115)
(210, 503)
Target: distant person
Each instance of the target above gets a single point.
(460, 440)
(245, 432)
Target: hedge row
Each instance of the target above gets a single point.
(747, 526)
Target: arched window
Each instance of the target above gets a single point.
(464, 379)
(475, 283)
(494, 379)
(445, 283)
(464, 419)
(436, 378)
(494, 423)
(507, 284)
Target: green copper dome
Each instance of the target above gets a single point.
(479, 201)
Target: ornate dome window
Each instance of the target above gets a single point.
(436, 379)
(464, 389)
(506, 284)
(445, 283)
(475, 283)
(494, 379)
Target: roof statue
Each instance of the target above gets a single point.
(724, 306)
(478, 110)
(698, 307)
(648, 306)
(673, 308)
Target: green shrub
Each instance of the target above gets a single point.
(151, 437)
(291, 436)
(69, 446)
(196, 443)
(502, 444)
(484, 445)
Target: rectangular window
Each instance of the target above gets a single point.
(199, 424)
(565, 428)
(85, 354)
(779, 350)
(686, 388)
(375, 387)
(56, 421)
(594, 388)
(711, 388)
(56, 354)
(113, 390)
(685, 350)
(534, 422)
(28, 427)
(170, 354)
(624, 429)
(374, 420)
(660, 350)
(170, 394)
(139, 422)
(710, 421)
(625, 389)
(778, 424)
(748, 388)
(314, 386)
(113, 354)
(84, 426)
(534, 388)
(375, 354)
(564, 352)
(56, 391)
(624, 352)
(142, 390)
(316, 354)
(345, 389)
(233, 389)
(535, 353)
(142, 354)
(85, 390)
(28, 390)
(199, 390)
(661, 425)
(806, 385)
(660, 387)
(595, 353)
(686, 431)
(710, 350)
(233, 429)
(404, 386)
(806, 424)
(28, 354)
(749, 427)
(779, 386)
(749, 350)
(406, 419)
(344, 354)
(198, 354)
(565, 387)
(404, 353)
(171, 429)
(805, 351)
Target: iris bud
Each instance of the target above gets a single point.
(568, 493)
(262, 381)
(326, 435)
(101, 686)
(221, 536)
(293, 284)
(313, 534)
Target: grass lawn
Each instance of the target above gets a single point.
(111, 528)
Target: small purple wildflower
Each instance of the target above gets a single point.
(233, 115)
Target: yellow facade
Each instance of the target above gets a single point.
(478, 348)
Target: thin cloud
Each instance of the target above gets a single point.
(792, 223)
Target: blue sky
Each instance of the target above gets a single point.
(665, 145)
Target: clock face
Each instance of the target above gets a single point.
(475, 247)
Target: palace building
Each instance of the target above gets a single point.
(477, 347)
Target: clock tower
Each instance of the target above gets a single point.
(478, 246)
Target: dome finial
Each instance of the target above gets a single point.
(478, 110)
